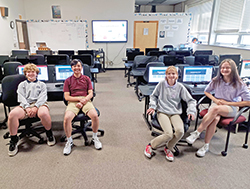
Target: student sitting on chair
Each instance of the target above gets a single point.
(32, 95)
(166, 99)
(227, 87)
(78, 91)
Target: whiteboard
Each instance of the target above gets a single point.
(58, 35)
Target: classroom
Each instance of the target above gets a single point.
(121, 162)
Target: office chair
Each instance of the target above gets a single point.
(37, 59)
(190, 60)
(156, 125)
(10, 68)
(68, 52)
(227, 122)
(168, 48)
(9, 99)
(85, 121)
(156, 53)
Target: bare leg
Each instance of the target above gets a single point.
(212, 114)
(43, 114)
(94, 118)
(13, 120)
(211, 129)
(68, 117)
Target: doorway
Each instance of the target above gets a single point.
(22, 34)
(145, 34)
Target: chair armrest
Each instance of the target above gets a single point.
(244, 109)
(201, 100)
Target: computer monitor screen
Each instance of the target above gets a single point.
(183, 52)
(203, 52)
(86, 52)
(43, 72)
(63, 72)
(235, 57)
(157, 74)
(245, 69)
(201, 60)
(58, 59)
(109, 31)
(150, 49)
(20, 52)
(68, 52)
(197, 74)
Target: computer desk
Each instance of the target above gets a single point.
(147, 90)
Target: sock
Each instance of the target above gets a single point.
(94, 135)
(207, 144)
(14, 138)
(49, 133)
(70, 139)
(197, 132)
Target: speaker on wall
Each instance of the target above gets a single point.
(4, 11)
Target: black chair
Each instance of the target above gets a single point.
(9, 99)
(3, 59)
(156, 53)
(68, 52)
(10, 68)
(226, 122)
(47, 52)
(37, 59)
(81, 52)
(155, 123)
(203, 52)
(85, 121)
(147, 50)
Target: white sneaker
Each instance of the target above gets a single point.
(67, 148)
(97, 143)
(192, 138)
(51, 141)
(202, 151)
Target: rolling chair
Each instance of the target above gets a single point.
(10, 68)
(155, 123)
(227, 122)
(9, 99)
(85, 121)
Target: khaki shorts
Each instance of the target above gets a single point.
(72, 107)
(232, 110)
(33, 105)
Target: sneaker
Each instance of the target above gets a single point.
(97, 143)
(202, 151)
(169, 154)
(67, 148)
(192, 138)
(148, 152)
(51, 141)
(13, 148)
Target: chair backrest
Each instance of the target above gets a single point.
(151, 64)
(147, 50)
(68, 52)
(156, 53)
(81, 52)
(9, 89)
(10, 68)
(85, 58)
(190, 60)
(141, 61)
(37, 59)
(3, 59)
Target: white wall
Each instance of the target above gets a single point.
(89, 10)
(8, 37)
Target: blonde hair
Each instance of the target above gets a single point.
(30, 67)
(171, 68)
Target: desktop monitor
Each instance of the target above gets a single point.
(197, 74)
(86, 52)
(20, 52)
(183, 52)
(201, 60)
(68, 52)
(203, 52)
(43, 72)
(169, 60)
(85, 58)
(157, 74)
(235, 57)
(62, 59)
(150, 49)
(131, 55)
(62, 72)
(245, 69)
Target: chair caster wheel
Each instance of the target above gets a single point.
(87, 143)
(63, 139)
(176, 153)
(223, 153)
(102, 133)
(41, 141)
(245, 146)
(189, 144)
(3, 126)
(6, 135)
(152, 155)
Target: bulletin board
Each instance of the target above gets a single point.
(58, 34)
(173, 28)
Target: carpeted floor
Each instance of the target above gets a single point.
(121, 162)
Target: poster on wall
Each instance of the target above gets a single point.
(56, 11)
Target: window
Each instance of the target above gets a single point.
(201, 11)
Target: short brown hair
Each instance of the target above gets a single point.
(171, 68)
(30, 67)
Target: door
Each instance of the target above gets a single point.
(22, 33)
(145, 34)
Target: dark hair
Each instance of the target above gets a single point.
(75, 61)
(234, 76)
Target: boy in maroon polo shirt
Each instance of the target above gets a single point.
(78, 91)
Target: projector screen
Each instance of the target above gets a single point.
(109, 31)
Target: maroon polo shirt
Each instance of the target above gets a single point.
(77, 86)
